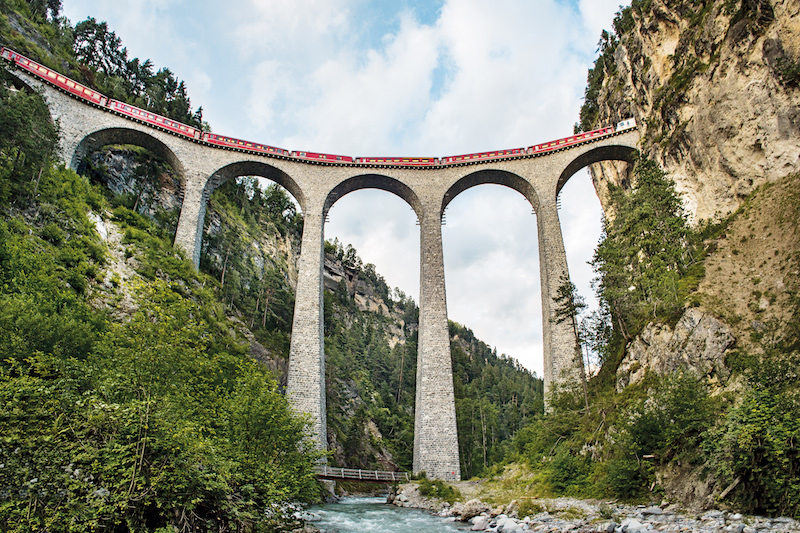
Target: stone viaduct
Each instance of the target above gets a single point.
(316, 187)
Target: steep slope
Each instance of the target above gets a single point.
(714, 88)
(713, 85)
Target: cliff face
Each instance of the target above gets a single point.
(714, 88)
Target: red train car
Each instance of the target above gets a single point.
(54, 78)
(484, 156)
(400, 161)
(153, 119)
(325, 158)
(238, 144)
(569, 141)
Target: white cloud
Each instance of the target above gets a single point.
(361, 106)
(598, 15)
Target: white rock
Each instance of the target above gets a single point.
(631, 525)
(99, 225)
(479, 523)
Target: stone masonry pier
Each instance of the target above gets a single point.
(316, 187)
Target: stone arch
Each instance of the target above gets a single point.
(496, 177)
(255, 168)
(374, 181)
(614, 152)
(99, 138)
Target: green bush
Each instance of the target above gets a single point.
(569, 473)
(757, 445)
(438, 489)
(627, 478)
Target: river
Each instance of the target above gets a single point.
(368, 515)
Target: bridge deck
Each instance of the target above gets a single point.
(366, 476)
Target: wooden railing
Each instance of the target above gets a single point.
(368, 476)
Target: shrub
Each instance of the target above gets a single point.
(757, 445)
(438, 489)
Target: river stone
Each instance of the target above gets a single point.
(631, 525)
(473, 508)
(479, 523)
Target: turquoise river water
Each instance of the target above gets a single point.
(368, 515)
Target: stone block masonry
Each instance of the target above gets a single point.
(316, 187)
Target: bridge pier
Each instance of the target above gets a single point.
(189, 234)
(435, 429)
(561, 363)
(306, 379)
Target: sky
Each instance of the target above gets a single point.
(401, 77)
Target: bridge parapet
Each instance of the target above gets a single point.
(365, 476)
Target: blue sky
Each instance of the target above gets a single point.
(408, 77)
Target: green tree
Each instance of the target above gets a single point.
(568, 305)
(646, 249)
(100, 48)
(28, 140)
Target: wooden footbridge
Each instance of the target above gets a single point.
(364, 476)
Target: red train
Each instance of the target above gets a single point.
(497, 154)
(53, 77)
(245, 146)
(177, 128)
(399, 161)
(147, 117)
(322, 158)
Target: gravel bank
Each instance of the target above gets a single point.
(569, 514)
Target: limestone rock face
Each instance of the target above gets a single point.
(697, 344)
(712, 93)
(337, 276)
(163, 193)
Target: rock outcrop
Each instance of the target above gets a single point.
(714, 88)
(697, 344)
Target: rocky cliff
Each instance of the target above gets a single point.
(714, 88)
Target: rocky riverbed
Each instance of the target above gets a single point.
(569, 514)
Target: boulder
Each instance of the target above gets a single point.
(473, 508)
(479, 523)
